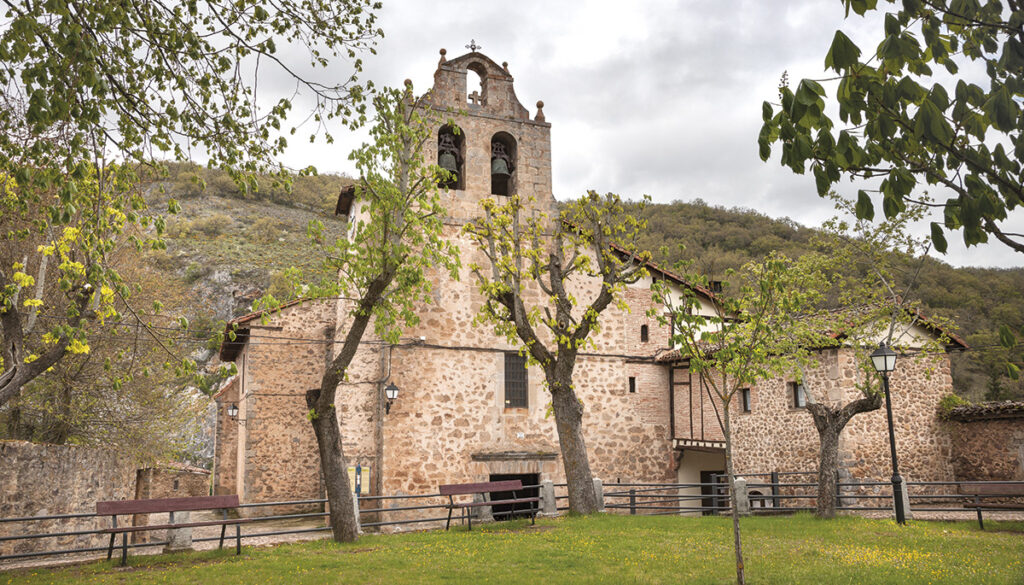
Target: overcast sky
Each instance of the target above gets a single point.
(660, 98)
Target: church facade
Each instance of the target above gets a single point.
(467, 410)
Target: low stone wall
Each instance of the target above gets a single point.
(988, 449)
(44, 480)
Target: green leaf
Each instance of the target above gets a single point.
(1001, 110)
(938, 238)
(842, 54)
(864, 208)
(1013, 371)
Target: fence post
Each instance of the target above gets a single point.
(548, 503)
(179, 539)
(775, 489)
(355, 510)
(482, 513)
(742, 497)
(599, 490)
(632, 502)
(906, 501)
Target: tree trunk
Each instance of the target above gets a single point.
(335, 470)
(830, 423)
(569, 422)
(737, 543)
(828, 471)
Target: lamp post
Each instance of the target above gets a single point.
(884, 360)
(390, 392)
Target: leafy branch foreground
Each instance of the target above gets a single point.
(604, 549)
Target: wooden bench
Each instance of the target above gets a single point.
(513, 485)
(987, 489)
(171, 505)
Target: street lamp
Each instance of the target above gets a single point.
(884, 360)
(233, 410)
(390, 392)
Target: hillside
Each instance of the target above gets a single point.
(228, 248)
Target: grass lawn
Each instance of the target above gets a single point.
(602, 549)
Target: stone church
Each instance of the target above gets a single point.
(467, 410)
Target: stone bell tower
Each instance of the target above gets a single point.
(486, 138)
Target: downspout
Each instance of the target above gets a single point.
(378, 417)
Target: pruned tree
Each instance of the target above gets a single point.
(902, 126)
(753, 334)
(874, 269)
(540, 272)
(378, 267)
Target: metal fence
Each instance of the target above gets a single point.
(80, 535)
(790, 492)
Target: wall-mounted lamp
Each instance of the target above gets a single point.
(233, 413)
(391, 393)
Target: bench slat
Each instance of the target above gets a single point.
(495, 503)
(479, 488)
(166, 505)
(120, 529)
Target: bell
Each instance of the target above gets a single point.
(447, 162)
(499, 166)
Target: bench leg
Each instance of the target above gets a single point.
(469, 518)
(977, 502)
(124, 549)
(449, 523)
(223, 528)
(110, 549)
(238, 539)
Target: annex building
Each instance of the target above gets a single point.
(468, 410)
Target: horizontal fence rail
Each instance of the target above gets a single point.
(80, 535)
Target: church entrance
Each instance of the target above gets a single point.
(507, 511)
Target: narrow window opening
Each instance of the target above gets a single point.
(644, 333)
(799, 394)
(632, 385)
(516, 383)
(745, 396)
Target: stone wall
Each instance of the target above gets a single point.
(777, 436)
(225, 448)
(41, 480)
(277, 451)
(988, 449)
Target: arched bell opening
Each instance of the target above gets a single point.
(477, 96)
(451, 156)
(503, 164)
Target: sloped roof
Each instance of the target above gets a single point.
(1007, 409)
(667, 355)
(229, 350)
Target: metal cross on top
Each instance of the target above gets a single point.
(472, 46)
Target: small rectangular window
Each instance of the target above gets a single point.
(644, 333)
(799, 394)
(516, 387)
(632, 385)
(745, 397)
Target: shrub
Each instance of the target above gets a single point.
(948, 403)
